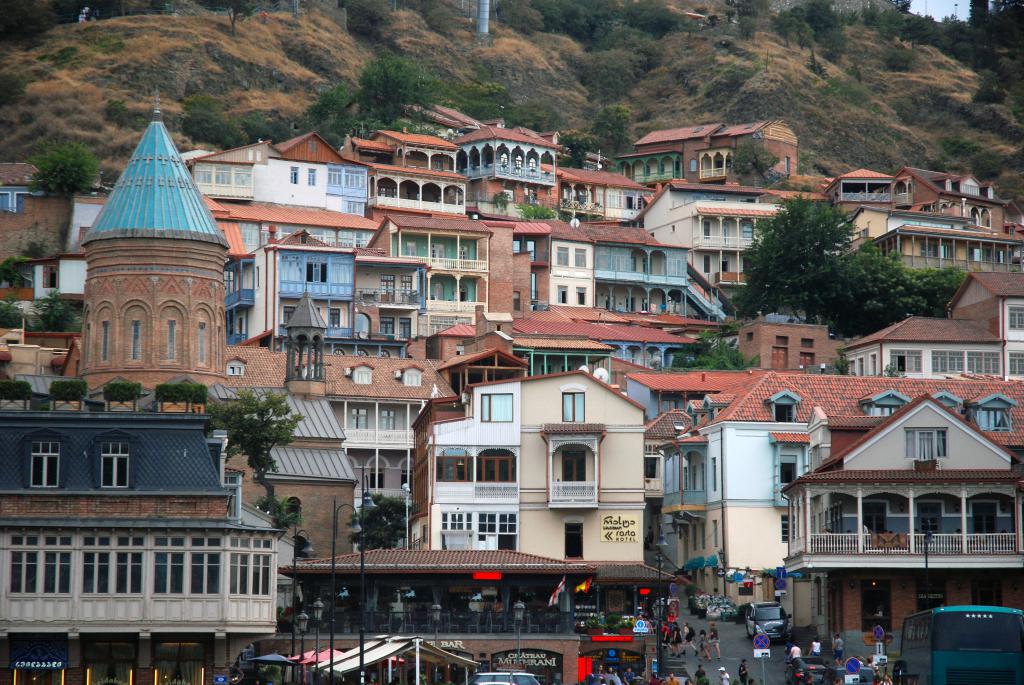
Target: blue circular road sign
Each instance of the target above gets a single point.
(761, 641)
(853, 665)
(780, 584)
(879, 633)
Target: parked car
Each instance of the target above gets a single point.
(806, 670)
(504, 678)
(768, 618)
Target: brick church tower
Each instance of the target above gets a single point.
(154, 291)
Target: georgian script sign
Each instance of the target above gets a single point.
(39, 654)
(619, 528)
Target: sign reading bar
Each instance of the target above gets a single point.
(619, 528)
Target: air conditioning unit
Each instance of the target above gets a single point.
(348, 371)
(398, 373)
(465, 398)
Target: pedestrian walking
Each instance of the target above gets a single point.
(744, 672)
(837, 649)
(699, 674)
(672, 680)
(723, 675)
(653, 680)
(713, 641)
(815, 646)
(688, 637)
(703, 643)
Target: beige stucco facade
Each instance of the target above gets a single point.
(577, 278)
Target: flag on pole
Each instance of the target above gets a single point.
(584, 586)
(553, 601)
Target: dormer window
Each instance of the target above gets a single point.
(412, 378)
(236, 368)
(948, 400)
(362, 375)
(45, 463)
(992, 413)
(784, 405)
(114, 464)
(884, 403)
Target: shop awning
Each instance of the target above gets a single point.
(386, 648)
(694, 563)
(711, 562)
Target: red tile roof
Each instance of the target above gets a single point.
(911, 476)
(854, 422)
(671, 135)
(560, 343)
(483, 354)
(295, 216)
(663, 426)
(561, 312)
(631, 235)
(530, 228)
(417, 171)
(694, 439)
(572, 428)
(430, 223)
(600, 178)
(791, 438)
(973, 234)
(928, 329)
(461, 330)
(697, 381)
(840, 396)
(733, 188)
(732, 211)
(419, 139)
(16, 173)
(497, 133)
(233, 234)
(601, 331)
(999, 284)
(863, 173)
(742, 129)
(561, 230)
(378, 145)
(449, 561)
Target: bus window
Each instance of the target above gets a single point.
(977, 631)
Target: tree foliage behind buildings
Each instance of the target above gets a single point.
(800, 263)
(384, 525)
(64, 168)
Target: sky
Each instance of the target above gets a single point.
(939, 9)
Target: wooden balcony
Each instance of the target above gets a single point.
(422, 205)
(730, 278)
(452, 306)
(951, 550)
(718, 173)
(476, 493)
(369, 436)
(715, 240)
(573, 494)
(226, 190)
(458, 264)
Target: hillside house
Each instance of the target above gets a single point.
(952, 194)
(599, 195)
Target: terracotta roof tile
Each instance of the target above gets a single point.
(416, 171)
(721, 399)
(601, 178)
(378, 145)
(295, 216)
(729, 188)
(601, 331)
(16, 173)
(560, 343)
(531, 228)
(561, 312)
(853, 422)
(663, 426)
(928, 329)
(974, 234)
(233, 234)
(419, 139)
(709, 210)
(839, 396)
(445, 562)
(671, 135)
(516, 135)
(791, 438)
(461, 330)
(698, 381)
(470, 358)
(911, 476)
(572, 428)
(429, 223)
(1000, 284)
(265, 369)
(631, 235)
(698, 439)
(864, 173)
(742, 129)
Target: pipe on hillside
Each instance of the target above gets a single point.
(483, 19)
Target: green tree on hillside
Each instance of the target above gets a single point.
(205, 122)
(752, 157)
(611, 128)
(11, 314)
(536, 212)
(796, 261)
(389, 84)
(23, 18)
(576, 145)
(331, 114)
(713, 351)
(64, 168)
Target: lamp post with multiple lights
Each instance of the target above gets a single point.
(356, 529)
(518, 613)
(305, 551)
(661, 601)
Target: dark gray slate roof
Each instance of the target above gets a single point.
(168, 453)
(303, 462)
(318, 423)
(306, 315)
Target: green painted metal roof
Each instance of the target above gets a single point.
(155, 196)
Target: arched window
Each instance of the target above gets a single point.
(362, 324)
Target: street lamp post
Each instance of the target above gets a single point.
(305, 552)
(518, 610)
(303, 624)
(318, 612)
(357, 529)
(435, 614)
(927, 583)
(660, 600)
(408, 496)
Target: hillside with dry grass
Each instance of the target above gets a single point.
(848, 113)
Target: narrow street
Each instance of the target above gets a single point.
(735, 646)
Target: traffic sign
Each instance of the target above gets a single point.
(672, 589)
(762, 654)
(220, 680)
(780, 571)
(780, 583)
(641, 626)
(720, 573)
(853, 665)
(762, 641)
(878, 632)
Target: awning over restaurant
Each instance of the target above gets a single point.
(693, 563)
(382, 649)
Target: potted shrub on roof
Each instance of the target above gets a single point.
(121, 395)
(595, 624)
(180, 398)
(67, 395)
(15, 394)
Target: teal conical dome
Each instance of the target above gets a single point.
(155, 196)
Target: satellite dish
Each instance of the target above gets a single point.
(601, 374)
(584, 368)
(575, 223)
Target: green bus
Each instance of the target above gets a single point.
(963, 645)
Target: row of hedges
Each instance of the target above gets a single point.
(74, 390)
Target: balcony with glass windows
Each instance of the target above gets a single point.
(391, 299)
(641, 266)
(484, 476)
(573, 483)
(224, 181)
(242, 297)
(511, 172)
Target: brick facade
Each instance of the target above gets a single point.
(44, 222)
(154, 281)
(784, 346)
(500, 269)
(114, 506)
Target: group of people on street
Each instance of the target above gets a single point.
(677, 640)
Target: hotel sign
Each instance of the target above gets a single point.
(620, 528)
(528, 659)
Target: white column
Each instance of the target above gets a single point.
(1017, 521)
(860, 520)
(807, 514)
(963, 520)
(376, 425)
(910, 521)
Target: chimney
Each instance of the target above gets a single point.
(483, 326)
(703, 377)
(272, 238)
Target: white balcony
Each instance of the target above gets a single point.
(452, 306)
(654, 487)
(714, 172)
(476, 493)
(455, 264)
(716, 240)
(371, 437)
(573, 494)
(951, 550)
(226, 190)
(424, 205)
